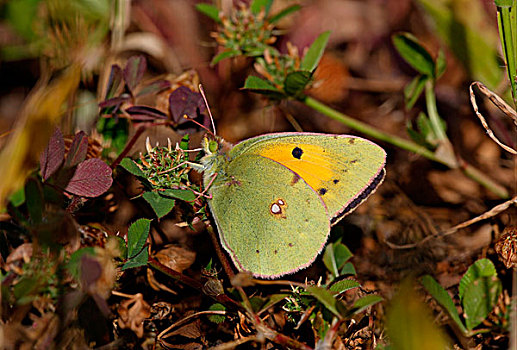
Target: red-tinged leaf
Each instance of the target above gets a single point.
(53, 155)
(91, 178)
(78, 150)
(134, 71)
(145, 113)
(154, 87)
(115, 101)
(185, 101)
(114, 82)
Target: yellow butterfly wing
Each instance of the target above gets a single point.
(344, 170)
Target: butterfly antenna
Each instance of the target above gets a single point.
(208, 108)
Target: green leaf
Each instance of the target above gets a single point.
(18, 197)
(217, 318)
(136, 236)
(335, 256)
(139, 260)
(209, 10)
(414, 53)
(116, 131)
(225, 54)
(184, 195)
(262, 86)
(462, 29)
(272, 300)
(184, 142)
(312, 57)
(479, 299)
(443, 298)
(480, 268)
(348, 269)
(409, 323)
(343, 285)
(295, 83)
(283, 13)
(161, 205)
(413, 90)
(326, 298)
(365, 302)
(506, 21)
(131, 167)
(258, 5)
(441, 64)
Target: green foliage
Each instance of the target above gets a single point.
(137, 235)
(160, 204)
(335, 257)
(217, 318)
(343, 285)
(136, 238)
(249, 32)
(443, 298)
(115, 131)
(479, 290)
(164, 173)
(463, 29)
(414, 54)
(507, 23)
(312, 57)
(431, 130)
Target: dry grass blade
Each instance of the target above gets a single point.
(499, 103)
(486, 215)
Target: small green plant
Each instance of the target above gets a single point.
(479, 291)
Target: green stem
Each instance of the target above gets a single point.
(371, 131)
(432, 112)
(368, 130)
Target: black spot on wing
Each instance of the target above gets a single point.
(335, 181)
(297, 152)
(359, 199)
(322, 191)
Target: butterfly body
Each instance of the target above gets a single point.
(274, 197)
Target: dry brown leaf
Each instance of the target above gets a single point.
(176, 258)
(132, 313)
(22, 254)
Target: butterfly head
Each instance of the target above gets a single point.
(216, 154)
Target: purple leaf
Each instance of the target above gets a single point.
(91, 270)
(185, 101)
(155, 87)
(145, 113)
(134, 71)
(114, 82)
(91, 178)
(115, 101)
(78, 150)
(53, 155)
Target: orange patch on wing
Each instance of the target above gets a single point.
(313, 164)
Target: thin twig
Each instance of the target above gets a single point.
(491, 213)
(184, 320)
(499, 103)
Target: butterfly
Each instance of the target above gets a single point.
(275, 197)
